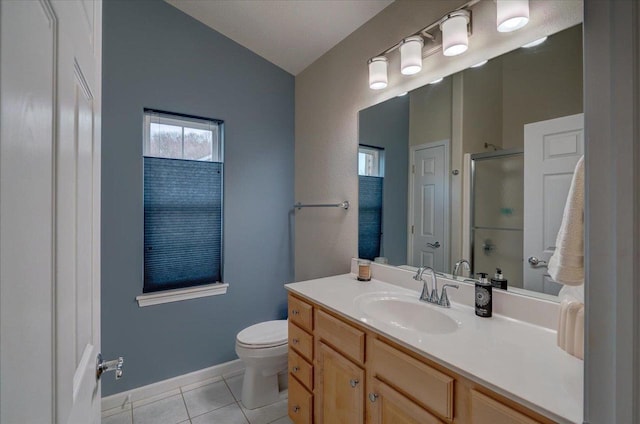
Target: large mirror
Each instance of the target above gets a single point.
(476, 166)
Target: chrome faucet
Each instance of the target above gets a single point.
(432, 296)
(456, 268)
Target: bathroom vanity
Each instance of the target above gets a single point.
(371, 352)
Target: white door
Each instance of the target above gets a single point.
(429, 206)
(50, 210)
(551, 150)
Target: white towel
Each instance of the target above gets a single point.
(566, 265)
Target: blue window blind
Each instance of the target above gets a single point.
(369, 216)
(182, 223)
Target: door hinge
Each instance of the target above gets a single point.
(413, 169)
(412, 229)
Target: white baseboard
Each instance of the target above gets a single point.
(133, 395)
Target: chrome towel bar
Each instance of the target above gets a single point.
(343, 205)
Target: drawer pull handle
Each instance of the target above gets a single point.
(373, 397)
(353, 382)
(295, 312)
(295, 341)
(296, 409)
(295, 369)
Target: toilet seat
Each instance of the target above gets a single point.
(264, 335)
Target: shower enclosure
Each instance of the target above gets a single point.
(497, 216)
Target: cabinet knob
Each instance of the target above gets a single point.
(373, 397)
(296, 409)
(295, 312)
(295, 369)
(295, 341)
(353, 382)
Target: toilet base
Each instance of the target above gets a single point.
(259, 390)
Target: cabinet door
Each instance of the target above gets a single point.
(339, 394)
(386, 406)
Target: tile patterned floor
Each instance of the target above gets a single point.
(214, 401)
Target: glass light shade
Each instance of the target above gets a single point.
(479, 64)
(378, 73)
(512, 14)
(455, 39)
(411, 55)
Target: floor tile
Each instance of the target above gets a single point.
(207, 398)
(266, 414)
(231, 414)
(283, 420)
(118, 410)
(119, 418)
(157, 397)
(166, 411)
(201, 383)
(235, 384)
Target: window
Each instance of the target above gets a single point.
(370, 161)
(183, 173)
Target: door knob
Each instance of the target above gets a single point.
(103, 366)
(353, 382)
(536, 262)
(434, 245)
(373, 397)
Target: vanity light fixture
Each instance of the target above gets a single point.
(512, 14)
(535, 43)
(378, 72)
(404, 93)
(411, 55)
(455, 29)
(479, 64)
(435, 81)
(455, 37)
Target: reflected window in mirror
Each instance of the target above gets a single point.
(371, 181)
(370, 161)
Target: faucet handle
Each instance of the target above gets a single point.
(444, 299)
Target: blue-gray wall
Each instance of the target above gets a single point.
(155, 56)
(386, 125)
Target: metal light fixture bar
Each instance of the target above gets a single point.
(426, 31)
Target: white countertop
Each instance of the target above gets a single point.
(518, 360)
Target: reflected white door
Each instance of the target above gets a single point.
(50, 210)
(429, 210)
(551, 149)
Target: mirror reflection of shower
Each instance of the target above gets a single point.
(497, 215)
(370, 197)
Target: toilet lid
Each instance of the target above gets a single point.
(264, 334)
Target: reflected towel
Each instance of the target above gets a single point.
(566, 265)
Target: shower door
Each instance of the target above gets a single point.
(498, 214)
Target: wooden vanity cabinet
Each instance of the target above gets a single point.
(301, 345)
(342, 373)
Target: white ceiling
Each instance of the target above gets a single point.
(289, 33)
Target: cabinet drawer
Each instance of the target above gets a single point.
(301, 313)
(485, 410)
(301, 341)
(388, 406)
(301, 369)
(342, 336)
(300, 403)
(426, 386)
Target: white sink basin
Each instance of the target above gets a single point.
(405, 312)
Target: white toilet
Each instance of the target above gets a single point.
(263, 349)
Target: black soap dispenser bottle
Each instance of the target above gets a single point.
(499, 281)
(484, 298)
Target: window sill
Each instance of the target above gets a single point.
(178, 295)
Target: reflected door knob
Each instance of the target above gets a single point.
(535, 262)
(434, 245)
